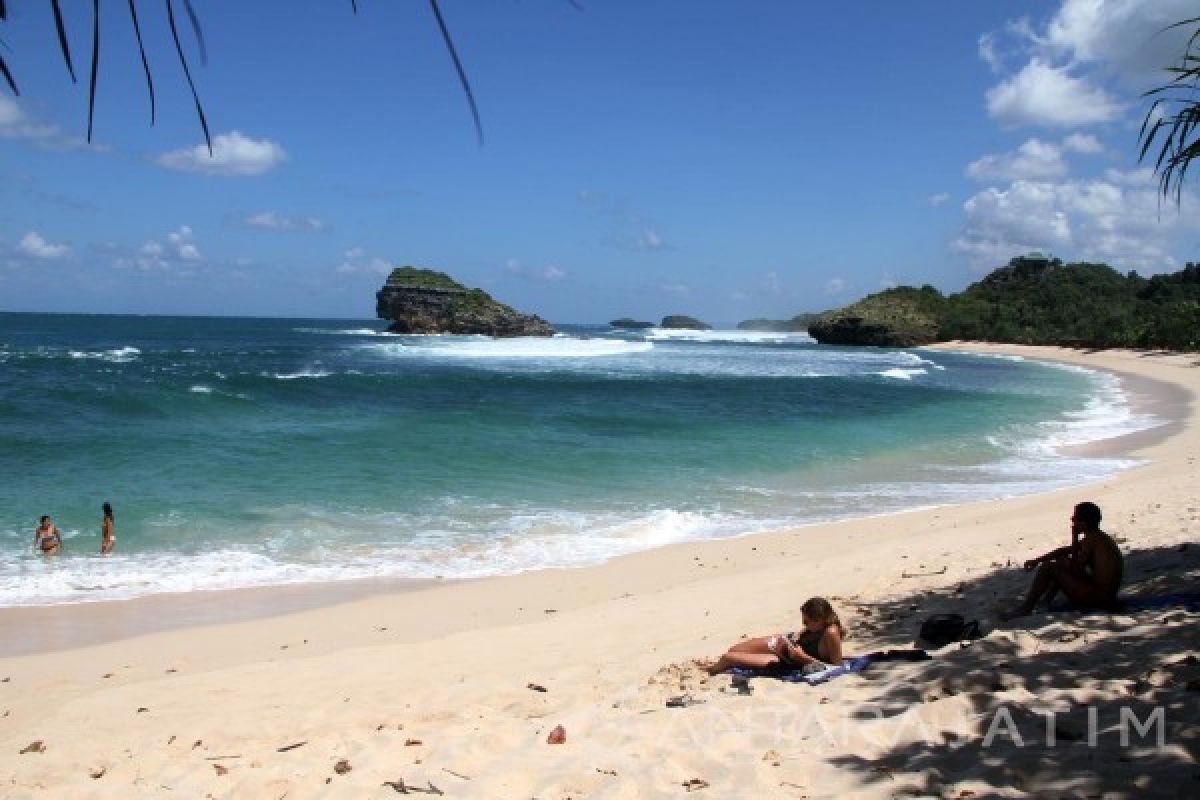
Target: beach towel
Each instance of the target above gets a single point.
(1189, 601)
(1186, 600)
(847, 667)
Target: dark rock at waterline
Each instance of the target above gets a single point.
(427, 301)
(683, 322)
(630, 324)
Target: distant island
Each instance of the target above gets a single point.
(628, 324)
(426, 301)
(684, 322)
(797, 324)
(1035, 300)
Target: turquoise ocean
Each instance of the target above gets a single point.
(256, 452)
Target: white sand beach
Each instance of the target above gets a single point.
(453, 689)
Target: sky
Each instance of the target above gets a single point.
(722, 159)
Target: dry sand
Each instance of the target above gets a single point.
(440, 688)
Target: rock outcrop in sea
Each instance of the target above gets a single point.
(426, 301)
(894, 318)
(629, 324)
(683, 322)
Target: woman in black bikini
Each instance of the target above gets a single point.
(46, 538)
(818, 645)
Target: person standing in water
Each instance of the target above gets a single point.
(106, 531)
(46, 538)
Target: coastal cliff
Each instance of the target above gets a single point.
(426, 301)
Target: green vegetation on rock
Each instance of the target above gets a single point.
(426, 301)
(416, 278)
(1032, 300)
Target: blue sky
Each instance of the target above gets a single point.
(726, 160)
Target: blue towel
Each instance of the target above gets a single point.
(1189, 601)
(847, 667)
(1186, 600)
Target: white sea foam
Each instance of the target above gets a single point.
(902, 374)
(556, 347)
(116, 356)
(292, 376)
(201, 389)
(522, 542)
(343, 331)
(741, 337)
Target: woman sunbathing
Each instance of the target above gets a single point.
(818, 645)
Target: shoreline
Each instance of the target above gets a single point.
(66, 626)
(438, 685)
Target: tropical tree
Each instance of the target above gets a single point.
(1173, 119)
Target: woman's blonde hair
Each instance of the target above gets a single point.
(820, 608)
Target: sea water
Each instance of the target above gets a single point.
(251, 452)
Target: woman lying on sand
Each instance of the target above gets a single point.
(819, 644)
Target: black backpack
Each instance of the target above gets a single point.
(942, 629)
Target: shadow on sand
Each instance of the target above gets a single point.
(1123, 688)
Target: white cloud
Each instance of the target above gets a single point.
(1083, 143)
(888, 282)
(1130, 37)
(271, 220)
(771, 282)
(16, 124)
(649, 239)
(1033, 160)
(988, 53)
(35, 245)
(939, 199)
(1115, 219)
(356, 262)
(676, 289)
(1041, 94)
(181, 243)
(550, 273)
(232, 154)
(168, 254)
(836, 285)
(10, 112)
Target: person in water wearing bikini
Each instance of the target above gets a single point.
(107, 537)
(46, 538)
(818, 645)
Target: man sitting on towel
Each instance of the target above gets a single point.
(1087, 571)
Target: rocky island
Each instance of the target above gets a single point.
(629, 324)
(427, 301)
(684, 322)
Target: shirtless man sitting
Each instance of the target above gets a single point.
(1088, 570)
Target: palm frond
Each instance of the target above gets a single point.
(199, 34)
(188, 74)
(95, 65)
(458, 67)
(137, 32)
(62, 38)
(8, 78)
(1174, 118)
